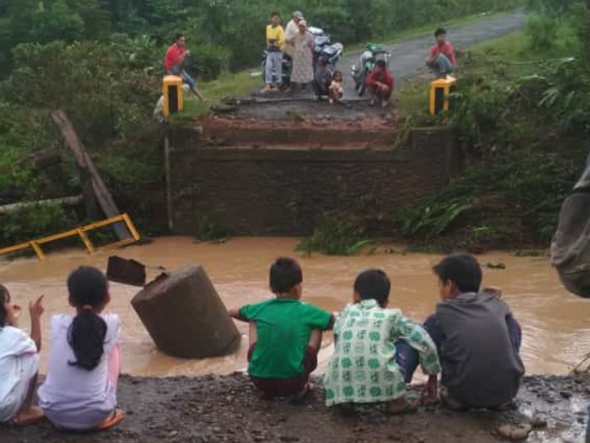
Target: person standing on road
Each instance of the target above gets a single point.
(275, 40)
(302, 57)
(441, 59)
(291, 32)
(174, 64)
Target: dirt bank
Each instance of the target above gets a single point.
(225, 409)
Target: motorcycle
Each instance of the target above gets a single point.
(367, 61)
(323, 46)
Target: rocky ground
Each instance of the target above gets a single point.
(215, 409)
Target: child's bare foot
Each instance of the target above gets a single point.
(29, 416)
(267, 88)
(400, 406)
(331, 102)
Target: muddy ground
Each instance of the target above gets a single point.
(304, 110)
(216, 409)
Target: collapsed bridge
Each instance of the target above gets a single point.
(275, 167)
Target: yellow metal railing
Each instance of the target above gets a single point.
(81, 232)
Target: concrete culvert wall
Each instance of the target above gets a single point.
(185, 316)
(284, 190)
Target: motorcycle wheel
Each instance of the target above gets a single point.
(361, 87)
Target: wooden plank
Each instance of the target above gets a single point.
(66, 201)
(85, 163)
(169, 201)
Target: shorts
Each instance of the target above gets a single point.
(286, 387)
(176, 70)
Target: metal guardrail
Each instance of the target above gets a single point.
(81, 232)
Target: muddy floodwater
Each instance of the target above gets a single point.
(556, 325)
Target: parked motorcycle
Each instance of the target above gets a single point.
(367, 61)
(323, 46)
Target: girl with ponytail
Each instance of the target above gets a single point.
(80, 391)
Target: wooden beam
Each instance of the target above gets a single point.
(66, 201)
(91, 177)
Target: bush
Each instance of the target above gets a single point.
(94, 82)
(210, 61)
(336, 234)
(33, 222)
(542, 31)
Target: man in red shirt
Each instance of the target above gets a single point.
(174, 64)
(441, 59)
(380, 83)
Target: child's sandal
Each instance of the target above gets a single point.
(406, 408)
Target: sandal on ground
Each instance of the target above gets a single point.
(398, 407)
(34, 416)
(450, 402)
(116, 417)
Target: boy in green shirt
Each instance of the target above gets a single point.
(285, 334)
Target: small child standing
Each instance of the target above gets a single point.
(285, 335)
(364, 367)
(80, 391)
(19, 359)
(336, 88)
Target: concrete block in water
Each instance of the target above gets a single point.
(185, 316)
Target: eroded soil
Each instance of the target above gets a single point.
(215, 409)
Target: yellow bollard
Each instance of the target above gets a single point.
(439, 94)
(172, 91)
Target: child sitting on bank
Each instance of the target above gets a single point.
(477, 338)
(80, 391)
(364, 367)
(19, 359)
(380, 84)
(336, 88)
(441, 58)
(285, 335)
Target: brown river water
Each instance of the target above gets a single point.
(556, 325)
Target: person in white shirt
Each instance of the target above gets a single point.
(19, 359)
(80, 391)
(291, 32)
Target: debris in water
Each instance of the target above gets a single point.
(495, 265)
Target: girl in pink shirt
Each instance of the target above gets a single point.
(80, 391)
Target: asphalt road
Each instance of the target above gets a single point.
(408, 56)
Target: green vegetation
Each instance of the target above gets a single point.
(337, 234)
(210, 230)
(235, 85)
(523, 110)
(101, 61)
